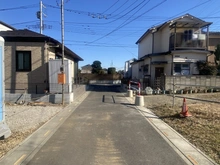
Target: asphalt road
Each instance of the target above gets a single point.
(106, 130)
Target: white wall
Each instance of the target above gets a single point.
(145, 46)
(165, 38)
(135, 71)
(4, 28)
(189, 56)
(157, 42)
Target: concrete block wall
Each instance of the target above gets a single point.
(182, 82)
(52, 98)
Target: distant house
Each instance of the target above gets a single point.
(5, 27)
(86, 69)
(214, 40)
(27, 55)
(173, 48)
(128, 68)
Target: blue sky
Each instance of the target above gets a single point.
(104, 30)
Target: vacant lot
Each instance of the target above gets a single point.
(202, 129)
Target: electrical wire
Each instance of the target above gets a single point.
(119, 27)
(19, 23)
(110, 7)
(183, 12)
(20, 7)
(119, 7)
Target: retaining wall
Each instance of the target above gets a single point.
(182, 82)
(53, 98)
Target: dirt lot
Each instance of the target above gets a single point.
(202, 129)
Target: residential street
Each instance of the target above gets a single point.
(105, 129)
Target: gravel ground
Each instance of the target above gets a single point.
(23, 120)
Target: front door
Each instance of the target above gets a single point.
(158, 71)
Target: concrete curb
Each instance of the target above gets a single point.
(25, 151)
(186, 150)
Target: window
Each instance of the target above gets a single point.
(188, 35)
(145, 69)
(181, 69)
(23, 60)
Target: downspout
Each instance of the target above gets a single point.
(150, 70)
(172, 64)
(152, 42)
(46, 53)
(207, 40)
(174, 38)
(152, 53)
(150, 64)
(174, 49)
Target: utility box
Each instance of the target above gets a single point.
(56, 78)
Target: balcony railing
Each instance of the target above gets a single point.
(192, 41)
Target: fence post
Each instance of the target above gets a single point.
(139, 89)
(173, 90)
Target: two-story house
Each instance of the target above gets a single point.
(173, 48)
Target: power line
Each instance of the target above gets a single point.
(127, 12)
(119, 27)
(175, 15)
(110, 7)
(183, 12)
(125, 9)
(120, 7)
(92, 14)
(19, 23)
(20, 7)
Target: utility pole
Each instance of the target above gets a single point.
(62, 36)
(40, 17)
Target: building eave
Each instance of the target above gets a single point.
(172, 22)
(30, 36)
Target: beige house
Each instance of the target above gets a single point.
(172, 48)
(27, 54)
(86, 69)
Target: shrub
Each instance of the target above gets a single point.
(206, 69)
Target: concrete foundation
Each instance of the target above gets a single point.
(139, 100)
(130, 93)
(5, 131)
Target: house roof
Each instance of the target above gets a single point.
(156, 54)
(185, 21)
(214, 33)
(87, 67)
(8, 26)
(30, 36)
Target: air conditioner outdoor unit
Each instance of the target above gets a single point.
(195, 70)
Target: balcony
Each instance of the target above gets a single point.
(188, 41)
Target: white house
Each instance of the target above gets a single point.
(173, 48)
(5, 27)
(128, 68)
